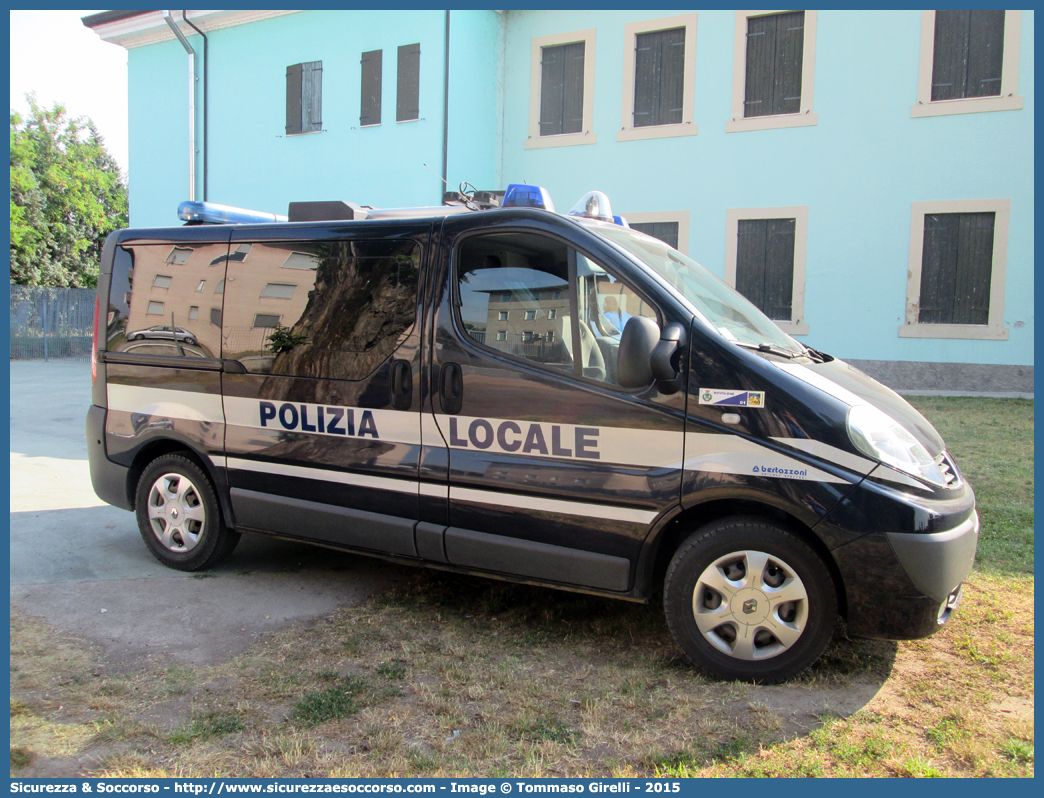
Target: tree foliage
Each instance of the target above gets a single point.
(67, 195)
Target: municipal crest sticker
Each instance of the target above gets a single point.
(724, 398)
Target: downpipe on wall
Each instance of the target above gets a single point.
(191, 100)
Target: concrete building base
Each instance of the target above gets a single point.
(950, 379)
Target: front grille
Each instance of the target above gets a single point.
(949, 469)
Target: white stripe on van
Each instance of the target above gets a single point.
(494, 498)
(648, 448)
(817, 380)
(555, 506)
(731, 454)
(165, 402)
(325, 475)
(824, 451)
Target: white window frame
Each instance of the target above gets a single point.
(805, 117)
(797, 325)
(149, 308)
(586, 134)
(681, 217)
(628, 132)
(994, 329)
(1009, 99)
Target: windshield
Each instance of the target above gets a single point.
(723, 307)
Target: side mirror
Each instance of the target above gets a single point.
(634, 360)
(665, 357)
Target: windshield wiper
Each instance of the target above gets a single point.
(775, 349)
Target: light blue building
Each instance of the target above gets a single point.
(865, 177)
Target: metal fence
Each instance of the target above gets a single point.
(51, 323)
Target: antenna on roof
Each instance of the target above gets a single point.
(440, 177)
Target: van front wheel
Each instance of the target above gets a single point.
(747, 599)
(179, 517)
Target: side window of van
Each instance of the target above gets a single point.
(514, 294)
(515, 298)
(331, 309)
(155, 299)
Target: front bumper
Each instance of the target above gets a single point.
(938, 562)
(905, 585)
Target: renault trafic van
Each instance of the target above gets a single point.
(497, 389)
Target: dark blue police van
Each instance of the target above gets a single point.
(493, 388)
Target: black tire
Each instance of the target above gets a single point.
(181, 521)
(755, 654)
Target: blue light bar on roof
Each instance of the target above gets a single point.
(212, 213)
(519, 195)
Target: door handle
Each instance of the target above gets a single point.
(451, 388)
(402, 385)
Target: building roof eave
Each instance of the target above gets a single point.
(130, 29)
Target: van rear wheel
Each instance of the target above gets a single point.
(179, 517)
(747, 599)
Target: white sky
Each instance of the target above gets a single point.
(53, 54)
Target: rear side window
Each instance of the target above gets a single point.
(154, 299)
(331, 309)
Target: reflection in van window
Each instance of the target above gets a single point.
(504, 280)
(301, 260)
(350, 306)
(266, 321)
(278, 291)
(179, 256)
(143, 277)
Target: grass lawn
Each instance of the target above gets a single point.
(453, 676)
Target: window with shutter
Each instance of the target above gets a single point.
(304, 97)
(407, 102)
(765, 265)
(775, 49)
(969, 62)
(370, 106)
(312, 96)
(562, 89)
(765, 254)
(956, 268)
(659, 77)
(667, 232)
(293, 99)
(968, 57)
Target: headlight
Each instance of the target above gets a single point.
(881, 437)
